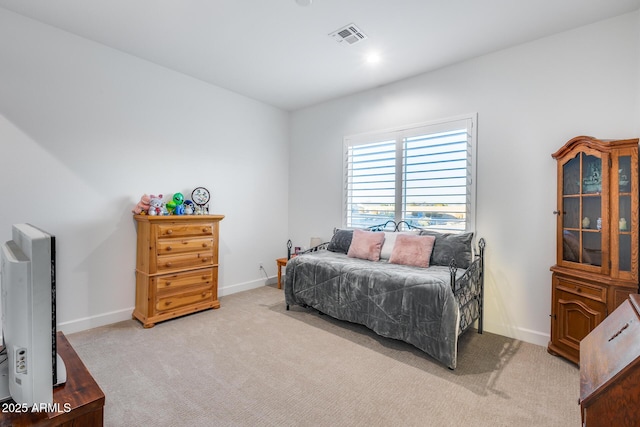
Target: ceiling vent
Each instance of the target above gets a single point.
(350, 34)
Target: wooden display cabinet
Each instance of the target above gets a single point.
(597, 237)
(176, 266)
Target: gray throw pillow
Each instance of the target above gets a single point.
(341, 241)
(449, 246)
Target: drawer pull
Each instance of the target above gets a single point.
(168, 264)
(626, 325)
(169, 231)
(205, 230)
(167, 283)
(204, 245)
(205, 259)
(578, 290)
(168, 248)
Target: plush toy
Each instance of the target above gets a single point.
(143, 205)
(188, 207)
(155, 205)
(171, 206)
(178, 199)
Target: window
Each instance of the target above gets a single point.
(421, 174)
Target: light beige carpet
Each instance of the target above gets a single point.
(251, 363)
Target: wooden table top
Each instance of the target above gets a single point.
(79, 396)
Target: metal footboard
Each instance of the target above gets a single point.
(468, 290)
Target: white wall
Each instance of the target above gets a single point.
(530, 100)
(86, 130)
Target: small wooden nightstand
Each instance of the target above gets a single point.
(281, 262)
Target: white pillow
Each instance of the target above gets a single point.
(390, 241)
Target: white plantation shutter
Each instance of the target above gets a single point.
(421, 174)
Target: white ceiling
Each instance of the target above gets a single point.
(280, 53)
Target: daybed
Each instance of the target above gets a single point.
(426, 307)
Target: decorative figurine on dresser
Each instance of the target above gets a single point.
(597, 237)
(176, 266)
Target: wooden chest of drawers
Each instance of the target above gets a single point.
(176, 266)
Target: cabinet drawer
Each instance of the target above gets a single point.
(583, 290)
(188, 260)
(178, 282)
(176, 301)
(183, 230)
(178, 246)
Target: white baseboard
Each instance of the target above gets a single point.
(522, 334)
(85, 323)
(241, 287)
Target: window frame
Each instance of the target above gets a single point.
(399, 134)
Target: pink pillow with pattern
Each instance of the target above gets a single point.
(366, 245)
(412, 250)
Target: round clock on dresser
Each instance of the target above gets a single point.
(200, 197)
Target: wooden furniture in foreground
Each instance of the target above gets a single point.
(610, 369)
(597, 237)
(80, 399)
(176, 266)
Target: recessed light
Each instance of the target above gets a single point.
(373, 58)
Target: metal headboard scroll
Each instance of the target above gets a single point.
(396, 226)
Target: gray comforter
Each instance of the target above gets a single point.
(412, 304)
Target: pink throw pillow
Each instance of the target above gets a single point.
(366, 245)
(412, 250)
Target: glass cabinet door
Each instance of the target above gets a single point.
(581, 217)
(624, 217)
(624, 239)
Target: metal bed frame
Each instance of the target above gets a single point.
(468, 289)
